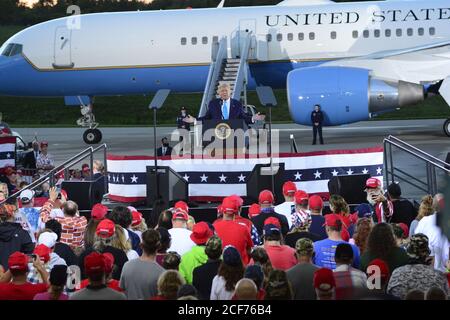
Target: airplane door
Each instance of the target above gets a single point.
(63, 58)
(246, 26)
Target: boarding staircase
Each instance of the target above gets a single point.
(230, 70)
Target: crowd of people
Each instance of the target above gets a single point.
(385, 249)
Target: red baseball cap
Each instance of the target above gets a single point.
(289, 188)
(18, 261)
(301, 196)
(238, 199)
(43, 252)
(382, 266)
(9, 171)
(137, 218)
(331, 220)
(254, 210)
(94, 263)
(180, 214)
(315, 202)
(106, 229)
(230, 205)
(44, 143)
(182, 206)
(274, 221)
(99, 211)
(324, 279)
(405, 230)
(266, 197)
(201, 233)
(109, 262)
(373, 183)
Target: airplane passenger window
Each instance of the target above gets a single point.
(432, 31)
(290, 36)
(269, 37)
(333, 35)
(279, 37)
(387, 33)
(420, 31)
(194, 40)
(409, 32)
(215, 39)
(183, 41)
(366, 33)
(355, 34)
(377, 33)
(312, 36)
(205, 40)
(301, 36)
(398, 32)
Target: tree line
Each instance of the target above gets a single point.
(13, 12)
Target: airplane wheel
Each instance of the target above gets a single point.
(447, 127)
(92, 136)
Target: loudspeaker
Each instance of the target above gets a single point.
(351, 188)
(261, 178)
(85, 193)
(171, 186)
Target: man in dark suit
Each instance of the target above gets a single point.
(317, 120)
(30, 157)
(225, 108)
(165, 149)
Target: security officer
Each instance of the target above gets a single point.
(180, 119)
(317, 120)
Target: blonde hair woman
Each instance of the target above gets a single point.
(122, 242)
(425, 209)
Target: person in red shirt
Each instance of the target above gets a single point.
(110, 282)
(19, 288)
(231, 232)
(282, 256)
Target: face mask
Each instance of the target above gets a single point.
(165, 144)
(183, 114)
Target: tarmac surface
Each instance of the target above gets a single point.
(426, 135)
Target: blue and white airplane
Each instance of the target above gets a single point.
(354, 59)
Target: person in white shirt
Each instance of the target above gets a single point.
(437, 241)
(288, 206)
(44, 160)
(231, 270)
(181, 236)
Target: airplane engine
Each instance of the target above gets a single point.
(345, 94)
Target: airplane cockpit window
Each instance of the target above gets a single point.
(183, 41)
(12, 49)
(432, 31)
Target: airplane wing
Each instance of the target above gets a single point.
(430, 63)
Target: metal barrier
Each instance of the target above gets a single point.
(50, 177)
(432, 165)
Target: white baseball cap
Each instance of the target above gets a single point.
(26, 196)
(48, 239)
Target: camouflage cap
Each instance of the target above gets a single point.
(172, 260)
(418, 247)
(214, 246)
(304, 247)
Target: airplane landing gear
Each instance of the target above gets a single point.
(447, 127)
(91, 135)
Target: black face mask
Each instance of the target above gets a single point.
(165, 145)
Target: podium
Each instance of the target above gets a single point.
(225, 136)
